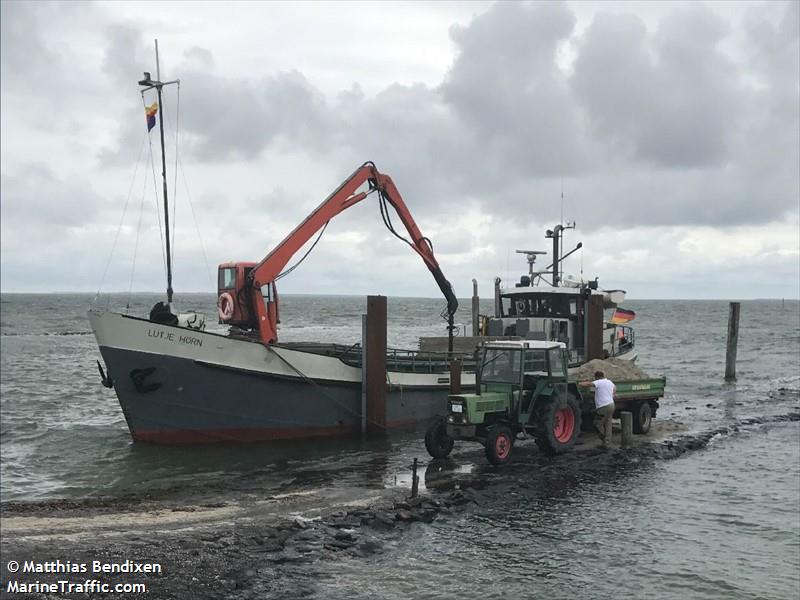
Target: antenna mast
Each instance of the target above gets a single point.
(148, 84)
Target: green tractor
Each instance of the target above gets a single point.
(522, 390)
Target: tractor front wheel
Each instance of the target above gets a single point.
(437, 442)
(499, 443)
(558, 428)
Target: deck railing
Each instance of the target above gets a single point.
(408, 361)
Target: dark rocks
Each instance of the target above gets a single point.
(459, 498)
(338, 545)
(427, 516)
(300, 524)
(381, 521)
(344, 536)
(367, 548)
(287, 556)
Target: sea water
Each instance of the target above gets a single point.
(721, 522)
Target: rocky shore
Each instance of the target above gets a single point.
(235, 549)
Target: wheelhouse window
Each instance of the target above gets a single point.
(227, 278)
(501, 366)
(538, 305)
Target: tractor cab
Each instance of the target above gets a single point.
(522, 390)
(520, 364)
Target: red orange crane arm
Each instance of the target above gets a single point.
(345, 196)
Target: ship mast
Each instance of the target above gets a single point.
(148, 84)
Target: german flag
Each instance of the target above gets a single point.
(622, 316)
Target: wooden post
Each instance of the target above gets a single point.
(733, 340)
(476, 307)
(363, 374)
(477, 355)
(414, 481)
(375, 363)
(626, 420)
(594, 314)
(455, 376)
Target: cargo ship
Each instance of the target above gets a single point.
(178, 383)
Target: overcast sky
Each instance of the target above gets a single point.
(673, 130)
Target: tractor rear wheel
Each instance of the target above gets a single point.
(558, 428)
(642, 417)
(437, 443)
(499, 443)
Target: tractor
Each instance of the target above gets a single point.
(522, 390)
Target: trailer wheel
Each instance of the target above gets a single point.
(558, 428)
(437, 443)
(499, 443)
(642, 417)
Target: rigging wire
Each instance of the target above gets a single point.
(136, 243)
(122, 219)
(175, 177)
(155, 188)
(179, 167)
(196, 226)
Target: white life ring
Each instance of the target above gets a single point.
(225, 305)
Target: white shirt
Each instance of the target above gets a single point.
(604, 392)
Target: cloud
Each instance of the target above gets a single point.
(508, 91)
(36, 194)
(668, 98)
(24, 55)
(662, 126)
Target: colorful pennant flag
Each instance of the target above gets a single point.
(151, 111)
(621, 316)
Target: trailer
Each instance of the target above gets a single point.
(639, 397)
(523, 389)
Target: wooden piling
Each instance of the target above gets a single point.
(363, 374)
(375, 363)
(476, 307)
(455, 376)
(477, 355)
(414, 481)
(733, 340)
(626, 420)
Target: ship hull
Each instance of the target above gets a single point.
(177, 385)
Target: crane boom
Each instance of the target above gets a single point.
(251, 284)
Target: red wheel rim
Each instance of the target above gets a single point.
(564, 425)
(502, 445)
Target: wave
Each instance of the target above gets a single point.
(43, 333)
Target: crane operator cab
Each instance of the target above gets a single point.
(233, 299)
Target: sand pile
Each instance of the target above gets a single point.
(614, 368)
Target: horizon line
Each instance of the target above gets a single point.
(152, 293)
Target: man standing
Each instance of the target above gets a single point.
(604, 391)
